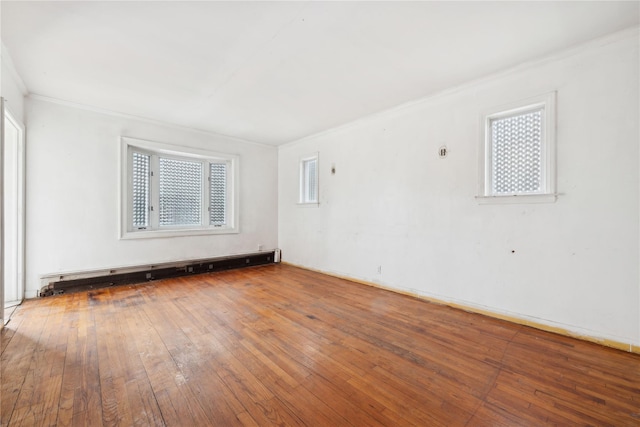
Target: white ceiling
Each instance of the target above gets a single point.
(274, 72)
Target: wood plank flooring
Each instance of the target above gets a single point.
(278, 345)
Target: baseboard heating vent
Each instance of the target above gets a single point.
(74, 282)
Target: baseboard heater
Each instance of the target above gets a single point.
(72, 282)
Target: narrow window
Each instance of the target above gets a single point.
(140, 190)
(309, 180)
(218, 194)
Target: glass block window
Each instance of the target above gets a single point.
(180, 192)
(168, 190)
(218, 194)
(140, 190)
(517, 153)
(309, 180)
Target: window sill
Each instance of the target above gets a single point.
(514, 199)
(155, 234)
(308, 204)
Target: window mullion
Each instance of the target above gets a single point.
(206, 191)
(154, 194)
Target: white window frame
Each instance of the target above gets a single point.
(547, 194)
(303, 195)
(155, 149)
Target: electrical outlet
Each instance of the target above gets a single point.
(259, 248)
(379, 269)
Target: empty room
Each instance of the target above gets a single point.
(332, 213)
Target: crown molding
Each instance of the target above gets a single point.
(627, 33)
(126, 116)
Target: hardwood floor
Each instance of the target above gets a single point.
(278, 345)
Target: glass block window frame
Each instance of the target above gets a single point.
(518, 152)
(218, 189)
(309, 167)
(170, 191)
(180, 188)
(140, 180)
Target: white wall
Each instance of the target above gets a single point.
(13, 90)
(394, 204)
(72, 194)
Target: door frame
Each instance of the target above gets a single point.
(20, 168)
